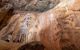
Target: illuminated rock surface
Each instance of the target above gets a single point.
(55, 29)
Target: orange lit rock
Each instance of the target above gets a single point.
(56, 29)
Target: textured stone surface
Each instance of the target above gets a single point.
(8, 7)
(5, 14)
(31, 5)
(56, 29)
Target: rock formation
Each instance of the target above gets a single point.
(55, 29)
(31, 5)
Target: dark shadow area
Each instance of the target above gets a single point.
(32, 46)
